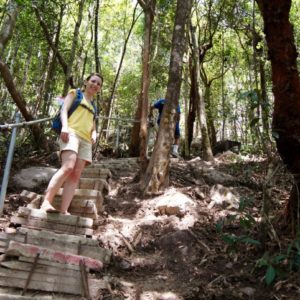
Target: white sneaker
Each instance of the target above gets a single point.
(175, 154)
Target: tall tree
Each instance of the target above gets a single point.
(74, 45)
(6, 32)
(286, 88)
(8, 24)
(200, 103)
(157, 173)
(138, 143)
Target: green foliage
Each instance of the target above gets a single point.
(244, 220)
(280, 265)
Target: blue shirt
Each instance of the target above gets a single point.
(159, 104)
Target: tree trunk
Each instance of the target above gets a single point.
(44, 26)
(5, 34)
(39, 136)
(157, 174)
(51, 65)
(97, 61)
(74, 45)
(8, 24)
(193, 103)
(206, 147)
(138, 145)
(286, 89)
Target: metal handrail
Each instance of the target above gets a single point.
(28, 123)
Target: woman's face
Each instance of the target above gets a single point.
(93, 85)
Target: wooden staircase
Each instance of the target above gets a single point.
(52, 253)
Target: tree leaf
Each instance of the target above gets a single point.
(270, 275)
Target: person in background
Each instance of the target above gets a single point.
(159, 105)
(76, 138)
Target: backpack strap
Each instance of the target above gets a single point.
(76, 102)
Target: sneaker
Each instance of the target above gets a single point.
(175, 154)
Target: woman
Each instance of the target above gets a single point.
(76, 138)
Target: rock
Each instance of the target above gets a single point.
(225, 145)
(222, 195)
(174, 203)
(249, 291)
(33, 177)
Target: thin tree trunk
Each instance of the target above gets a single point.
(8, 24)
(44, 26)
(51, 65)
(97, 61)
(74, 45)
(206, 147)
(157, 173)
(138, 144)
(193, 103)
(39, 136)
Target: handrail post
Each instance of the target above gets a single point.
(118, 135)
(8, 164)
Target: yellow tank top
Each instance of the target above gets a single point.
(81, 121)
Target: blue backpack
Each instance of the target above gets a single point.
(56, 122)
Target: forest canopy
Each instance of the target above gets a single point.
(235, 76)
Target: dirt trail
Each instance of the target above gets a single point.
(161, 254)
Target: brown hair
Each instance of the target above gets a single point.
(95, 74)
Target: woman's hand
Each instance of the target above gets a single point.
(94, 136)
(64, 135)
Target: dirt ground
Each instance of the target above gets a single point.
(208, 252)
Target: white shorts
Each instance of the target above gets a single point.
(79, 146)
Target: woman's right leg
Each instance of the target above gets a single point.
(68, 162)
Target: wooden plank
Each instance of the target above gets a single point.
(29, 196)
(96, 173)
(59, 237)
(82, 194)
(62, 242)
(85, 208)
(59, 284)
(53, 217)
(93, 216)
(44, 269)
(19, 249)
(44, 262)
(95, 184)
(37, 223)
(77, 204)
(18, 297)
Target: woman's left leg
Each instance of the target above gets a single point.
(71, 184)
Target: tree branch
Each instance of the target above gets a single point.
(49, 40)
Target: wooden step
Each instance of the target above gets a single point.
(55, 217)
(36, 223)
(98, 173)
(70, 282)
(59, 242)
(84, 202)
(100, 185)
(18, 249)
